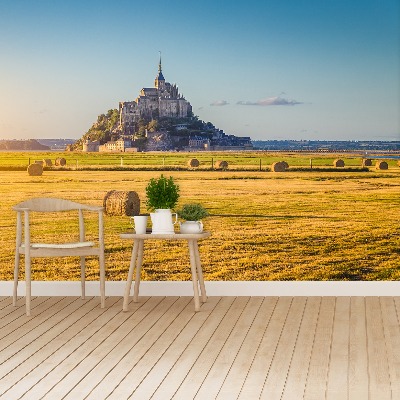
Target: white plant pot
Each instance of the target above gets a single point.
(161, 221)
(191, 227)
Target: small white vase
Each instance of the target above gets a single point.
(191, 227)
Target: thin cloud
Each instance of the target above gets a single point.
(270, 101)
(219, 103)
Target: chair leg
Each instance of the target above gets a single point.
(16, 272)
(102, 281)
(17, 256)
(82, 278)
(28, 285)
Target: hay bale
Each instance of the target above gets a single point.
(60, 162)
(285, 164)
(40, 162)
(121, 203)
(47, 162)
(381, 165)
(35, 169)
(278, 167)
(193, 163)
(367, 162)
(220, 164)
(338, 163)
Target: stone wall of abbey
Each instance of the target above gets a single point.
(162, 100)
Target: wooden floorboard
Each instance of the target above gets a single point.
(213, 381)
(299, 367)
(338, 372)
(391, 328)
(378, 363)
(237, 375)
(358, 357)
(285, 348)
(182, 366)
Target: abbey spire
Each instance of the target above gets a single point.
(159, 81)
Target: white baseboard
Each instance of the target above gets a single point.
(214, 288)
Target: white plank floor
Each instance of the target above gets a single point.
(247, 348)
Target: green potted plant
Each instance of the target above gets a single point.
(162, 195)
(192, 213)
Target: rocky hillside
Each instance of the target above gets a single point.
(102, 130)
(162, 133)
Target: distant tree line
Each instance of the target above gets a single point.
(29, 144)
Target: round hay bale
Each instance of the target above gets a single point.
(60, 162)
(220, 164)
(47, 162)
(35, 169)
(367, 162)
(278, 167)
(40, 162)
(338, 163)
(285, 164)
(121, 203)
(193, 163)
(381, 165)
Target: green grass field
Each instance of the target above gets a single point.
(243, 160)
(265, 226)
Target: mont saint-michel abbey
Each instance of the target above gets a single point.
(160, 119)
(162, 100)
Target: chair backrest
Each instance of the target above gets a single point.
(49, 204)
(50, 228)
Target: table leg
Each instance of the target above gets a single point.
(130, 274)
(200, 272)
(192, 253)
(138, 270)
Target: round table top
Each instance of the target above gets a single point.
(168, 236)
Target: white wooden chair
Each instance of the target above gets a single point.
(81, 248)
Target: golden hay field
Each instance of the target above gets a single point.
(265, 226)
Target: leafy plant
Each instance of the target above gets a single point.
(192, 212)
(161, 193)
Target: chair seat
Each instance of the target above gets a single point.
(72, 245)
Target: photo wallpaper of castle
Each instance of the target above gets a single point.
(281, 118)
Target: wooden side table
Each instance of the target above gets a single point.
(137, 259)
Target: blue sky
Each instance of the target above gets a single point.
(320, 70)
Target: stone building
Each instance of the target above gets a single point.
(115, 146)
(90, 146)
(199, 143)
(162, 100)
